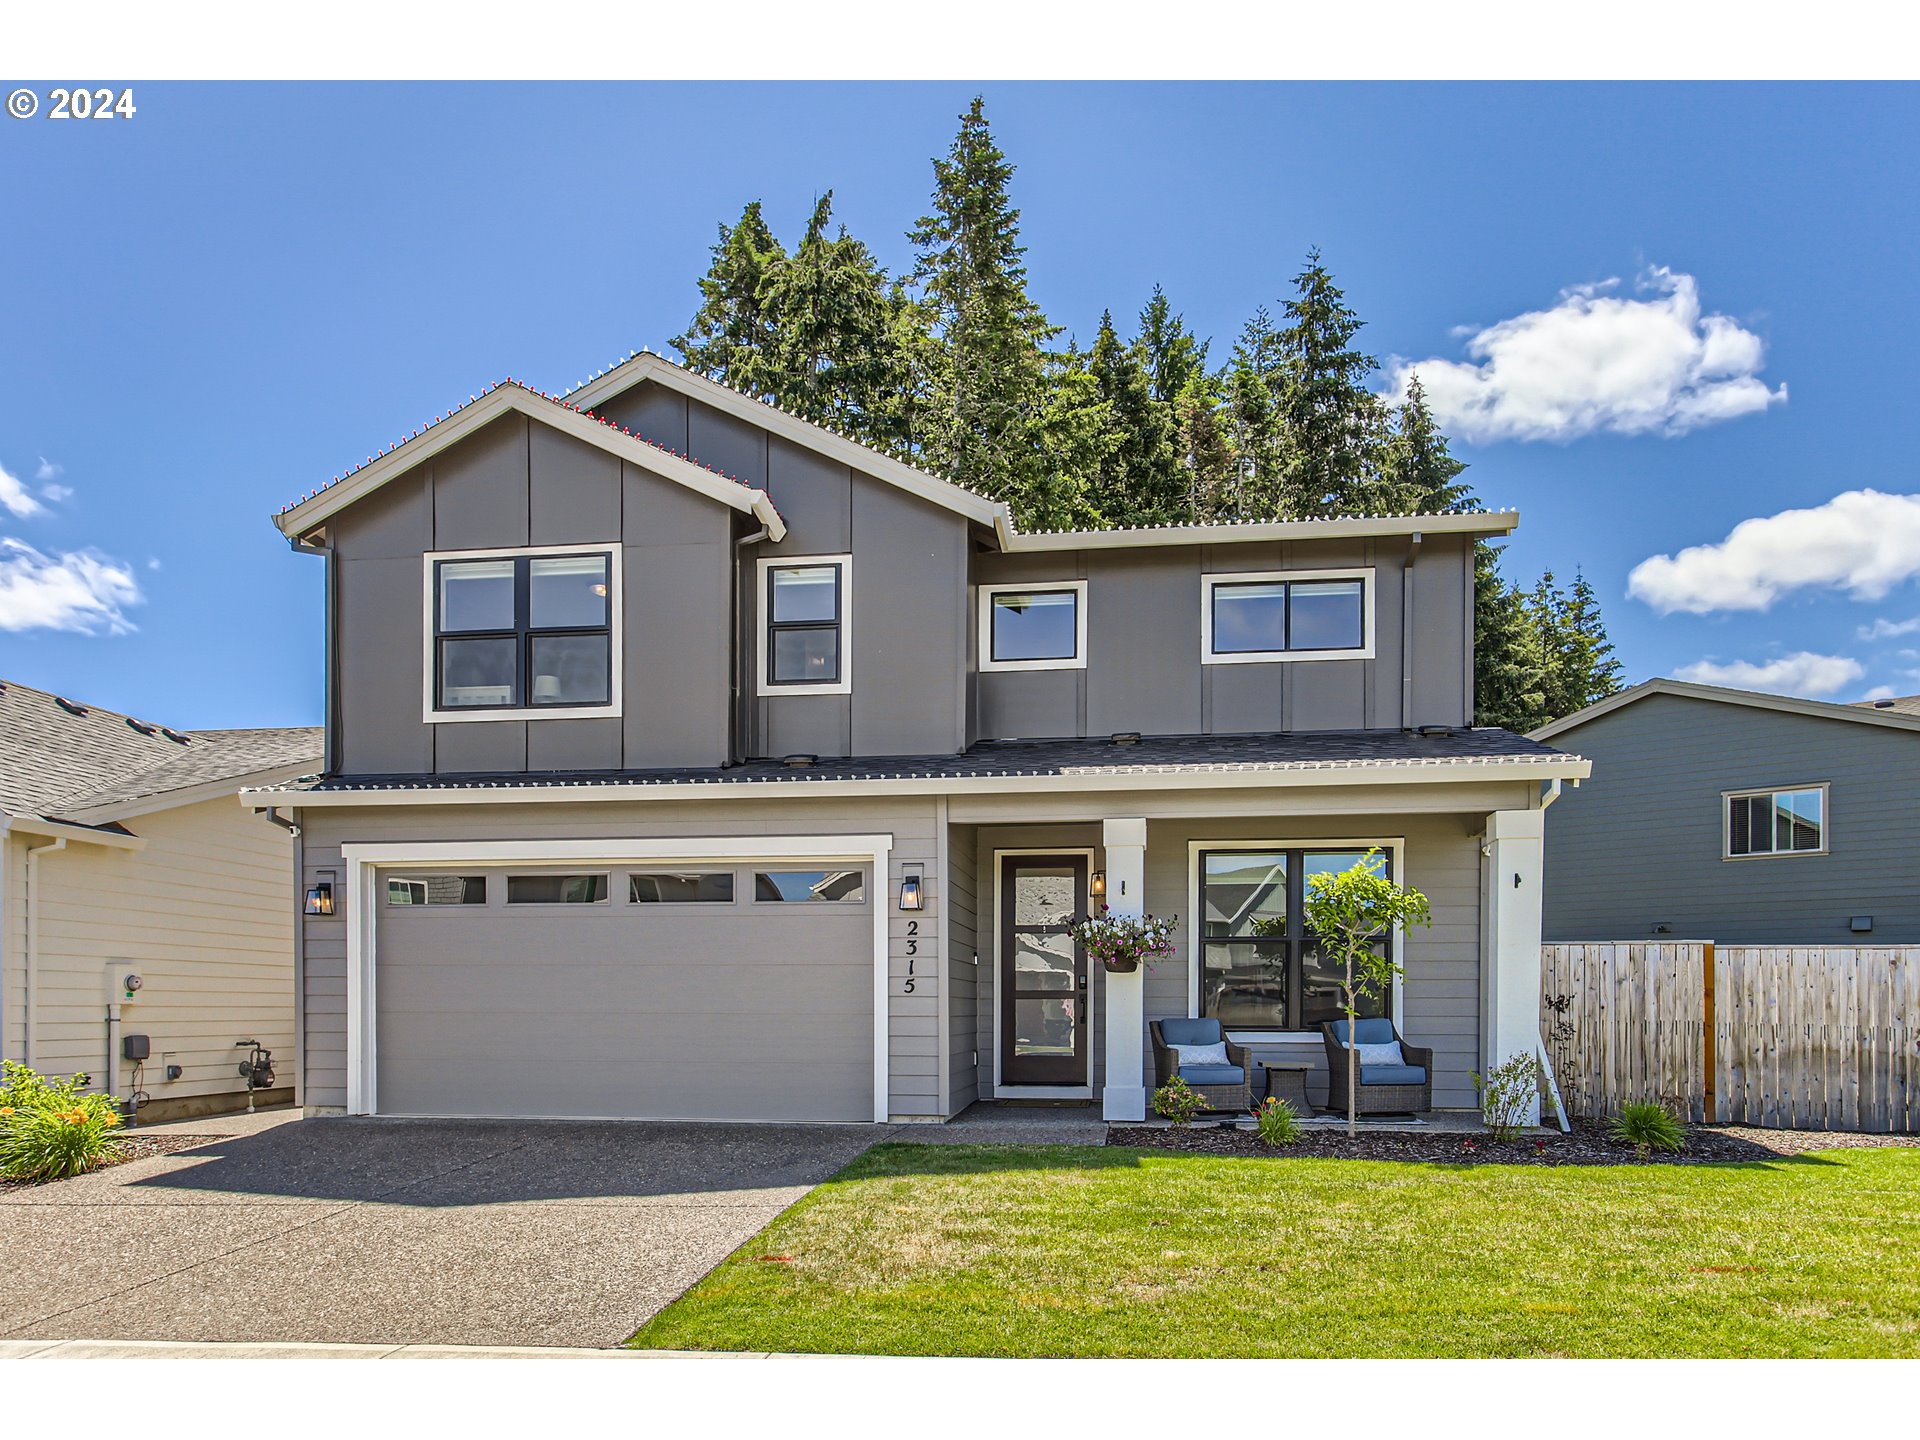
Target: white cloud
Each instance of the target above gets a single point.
(48, 470)
(1884, 629)
(57, 493)
(1881, 692)
(1598, 361)
(14, 496)
(1802, 673)
(1863, 542)
(80, 590)
(153, 562)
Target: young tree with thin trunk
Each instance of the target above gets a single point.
(1353, 915)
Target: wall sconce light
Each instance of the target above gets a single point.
(1097, 886)
(911, 895)
(320, 899)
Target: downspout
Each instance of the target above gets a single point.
(6, 886)
(299, 950)
(1549, 792)
(1406, 633)
(737, 619)
(30, 897)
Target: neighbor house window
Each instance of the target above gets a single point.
(523, 632)
(556, 889)
(799, 886)
(1287, 615)
(437, 890)
(1034, 627)
(1777, 822)
(680, 888)
(1260, 968)
(804, 606)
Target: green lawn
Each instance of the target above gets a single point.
(999, 1250)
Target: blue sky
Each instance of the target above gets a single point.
(224, 301)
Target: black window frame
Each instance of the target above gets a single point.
(1296, 940)
(1287, 647)
(994, 657)
(523, 633)
(837, 625)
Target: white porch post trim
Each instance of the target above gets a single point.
(1510, 947)
(1125, 1094)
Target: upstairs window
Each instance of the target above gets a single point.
(1777, 822)
(1287, 615)
(1034, 627)
(804, 609)
(523, 633)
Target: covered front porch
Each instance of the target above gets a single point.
(1032, 1020)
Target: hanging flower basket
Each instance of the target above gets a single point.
(1121, 943)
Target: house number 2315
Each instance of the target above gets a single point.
(913, 948)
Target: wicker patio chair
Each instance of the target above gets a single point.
(1384, 1089)
(1223, 1087)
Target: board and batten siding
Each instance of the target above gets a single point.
(1640, 844)
(205, 914)
(965, 981)
(915, 1086)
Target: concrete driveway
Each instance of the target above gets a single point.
(395, 1231)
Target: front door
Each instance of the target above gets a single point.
(1043, 971)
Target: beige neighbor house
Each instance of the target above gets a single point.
(124, 853)
(686, 760)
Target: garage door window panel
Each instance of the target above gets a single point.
(414, 890)
(810, 887)
(556, 889)
(681, 888)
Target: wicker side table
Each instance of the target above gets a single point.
(1287, 1080)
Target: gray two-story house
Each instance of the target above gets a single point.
(689, 760)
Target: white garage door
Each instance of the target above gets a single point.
(712, 992)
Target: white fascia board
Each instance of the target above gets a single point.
(649, 366)
(311, 512)
(1180, 777)
(1341, 527)
(80, 834)
(1725, 695)
(194, 794)
(651, 851)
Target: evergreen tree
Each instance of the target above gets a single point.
(1252, 384)
(1509, 679)
(1140, 481)
(732, 334)
(1077, 437)
(1207, 451)
(1579, 662)
(989, 388)
(1175, 357)
(1331, 422)
(1422, 477)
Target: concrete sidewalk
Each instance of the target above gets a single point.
(279, 1350)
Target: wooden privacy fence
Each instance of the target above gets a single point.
(1793, 1037)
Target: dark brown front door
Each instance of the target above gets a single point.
(1043, 971)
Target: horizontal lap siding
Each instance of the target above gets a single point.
(914, 1082)
(204, 914)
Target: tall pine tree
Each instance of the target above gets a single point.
(1509, 669)
(1253, 381)
(1422, 477)
(1140, 480)
(1331, 423)
(731, 337)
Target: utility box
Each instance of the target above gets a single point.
(135, 1047)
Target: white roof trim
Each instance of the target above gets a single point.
(1277, 775)
(1685, 689)
(510, 395)
(649, 366)
(1344, 526)
(85, 835)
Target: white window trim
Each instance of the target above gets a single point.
(1078, 660)
(764, 687)
(616, 603)
(1826, 820)
(363, 862)
(1364, 574)
(1395, 847)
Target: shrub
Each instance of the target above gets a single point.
(49, 1131)
(1507, 1093)
(1647, 1126)
(1178, 1101)
(1276, 1122)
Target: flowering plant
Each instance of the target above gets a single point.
(1121, 942)
(50, 1130)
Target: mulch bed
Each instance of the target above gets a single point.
(132, 1147)
(1589, 1144)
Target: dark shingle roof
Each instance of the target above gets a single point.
(1199, 754)
(61, 757)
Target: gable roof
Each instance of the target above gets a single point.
(1899, 704)
(1720, 694)
(59, 758)
(307, 514)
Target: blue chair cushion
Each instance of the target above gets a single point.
(1213, 1074)
(1392, 1074)
(1369, 1032)
(1191, 1032)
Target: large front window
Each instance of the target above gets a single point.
(1287, 615)
(1777, 822)
(523, 632)
(1260, 968)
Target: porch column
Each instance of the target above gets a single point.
(1510, 963)
(1125, 1094)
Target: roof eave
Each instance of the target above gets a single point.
(1345, 526)
(1725, 695)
